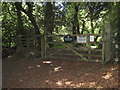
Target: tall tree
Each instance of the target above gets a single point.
(29, 12)
(75, 21)
(49, 18)
(20, 29)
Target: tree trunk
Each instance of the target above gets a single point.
(118, 31)
(20, 28)
(49, 20)
(32, 19)
(75, 21)
(92, 27)
(83, 27)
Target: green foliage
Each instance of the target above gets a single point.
(8, 25)
(91, 19)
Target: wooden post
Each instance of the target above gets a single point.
(18, 43)
(107, 43)
(27, 41)
(88, 41)
(45, 48)
(42, 46)
(103, 46)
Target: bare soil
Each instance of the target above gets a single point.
(38, 73)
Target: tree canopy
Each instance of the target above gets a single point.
(29, 18)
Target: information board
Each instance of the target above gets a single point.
(68, 39)
(81, 39)
(91, 38)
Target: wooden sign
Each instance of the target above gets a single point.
(81, 39)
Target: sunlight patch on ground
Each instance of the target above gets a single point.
(21, 80)
(88, 84)
(114, 68)
(30, 67)
(65, 82)
(107, 76)
(72, 85)
(80, 84)
(47, 62)
(46, 81)
(57, 69)
(92, 84)
(38, 76)
(38, 66)
(59, 83)
(86, 74)
(99, 87)
(68, 82)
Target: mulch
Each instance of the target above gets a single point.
(39, 73)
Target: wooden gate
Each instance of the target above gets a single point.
(86, 47)
(83, 47)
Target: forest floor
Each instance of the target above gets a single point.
(37, 73)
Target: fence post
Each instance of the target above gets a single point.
(18, 43)
(28, 41)
(89, 48)
(42, 47)
(107, 43)
(103, 46)
(45, 46)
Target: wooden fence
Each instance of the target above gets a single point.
(82, 50)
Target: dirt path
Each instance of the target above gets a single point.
(37, 73)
